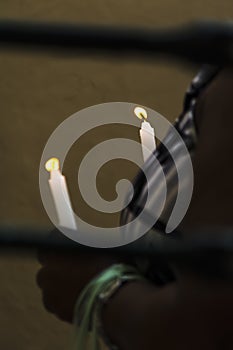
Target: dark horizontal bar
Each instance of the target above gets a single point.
(203, 42)
(209, 254)
(220, 241)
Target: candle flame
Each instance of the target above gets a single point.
(140, 112)
(52, 164)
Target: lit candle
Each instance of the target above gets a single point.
(59, 190)
(147, 134)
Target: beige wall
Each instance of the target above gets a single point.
(37, 92)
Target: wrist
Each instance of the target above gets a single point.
(88, 310)
(124, 314)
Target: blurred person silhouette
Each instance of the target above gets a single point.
(176, 307)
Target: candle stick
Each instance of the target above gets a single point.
(147, 134)
(59, 191)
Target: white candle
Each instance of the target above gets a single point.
(59, 191)
(147, 134)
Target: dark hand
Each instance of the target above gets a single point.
(62, 278)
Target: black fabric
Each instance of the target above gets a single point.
(187, 128)
(158, 271)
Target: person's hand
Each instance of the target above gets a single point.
(62, 278)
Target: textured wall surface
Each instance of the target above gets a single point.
(37, 92)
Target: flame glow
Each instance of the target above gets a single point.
(52, 164)
(140, 112)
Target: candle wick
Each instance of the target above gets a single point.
(140, 113)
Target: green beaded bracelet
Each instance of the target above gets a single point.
(87, 315)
